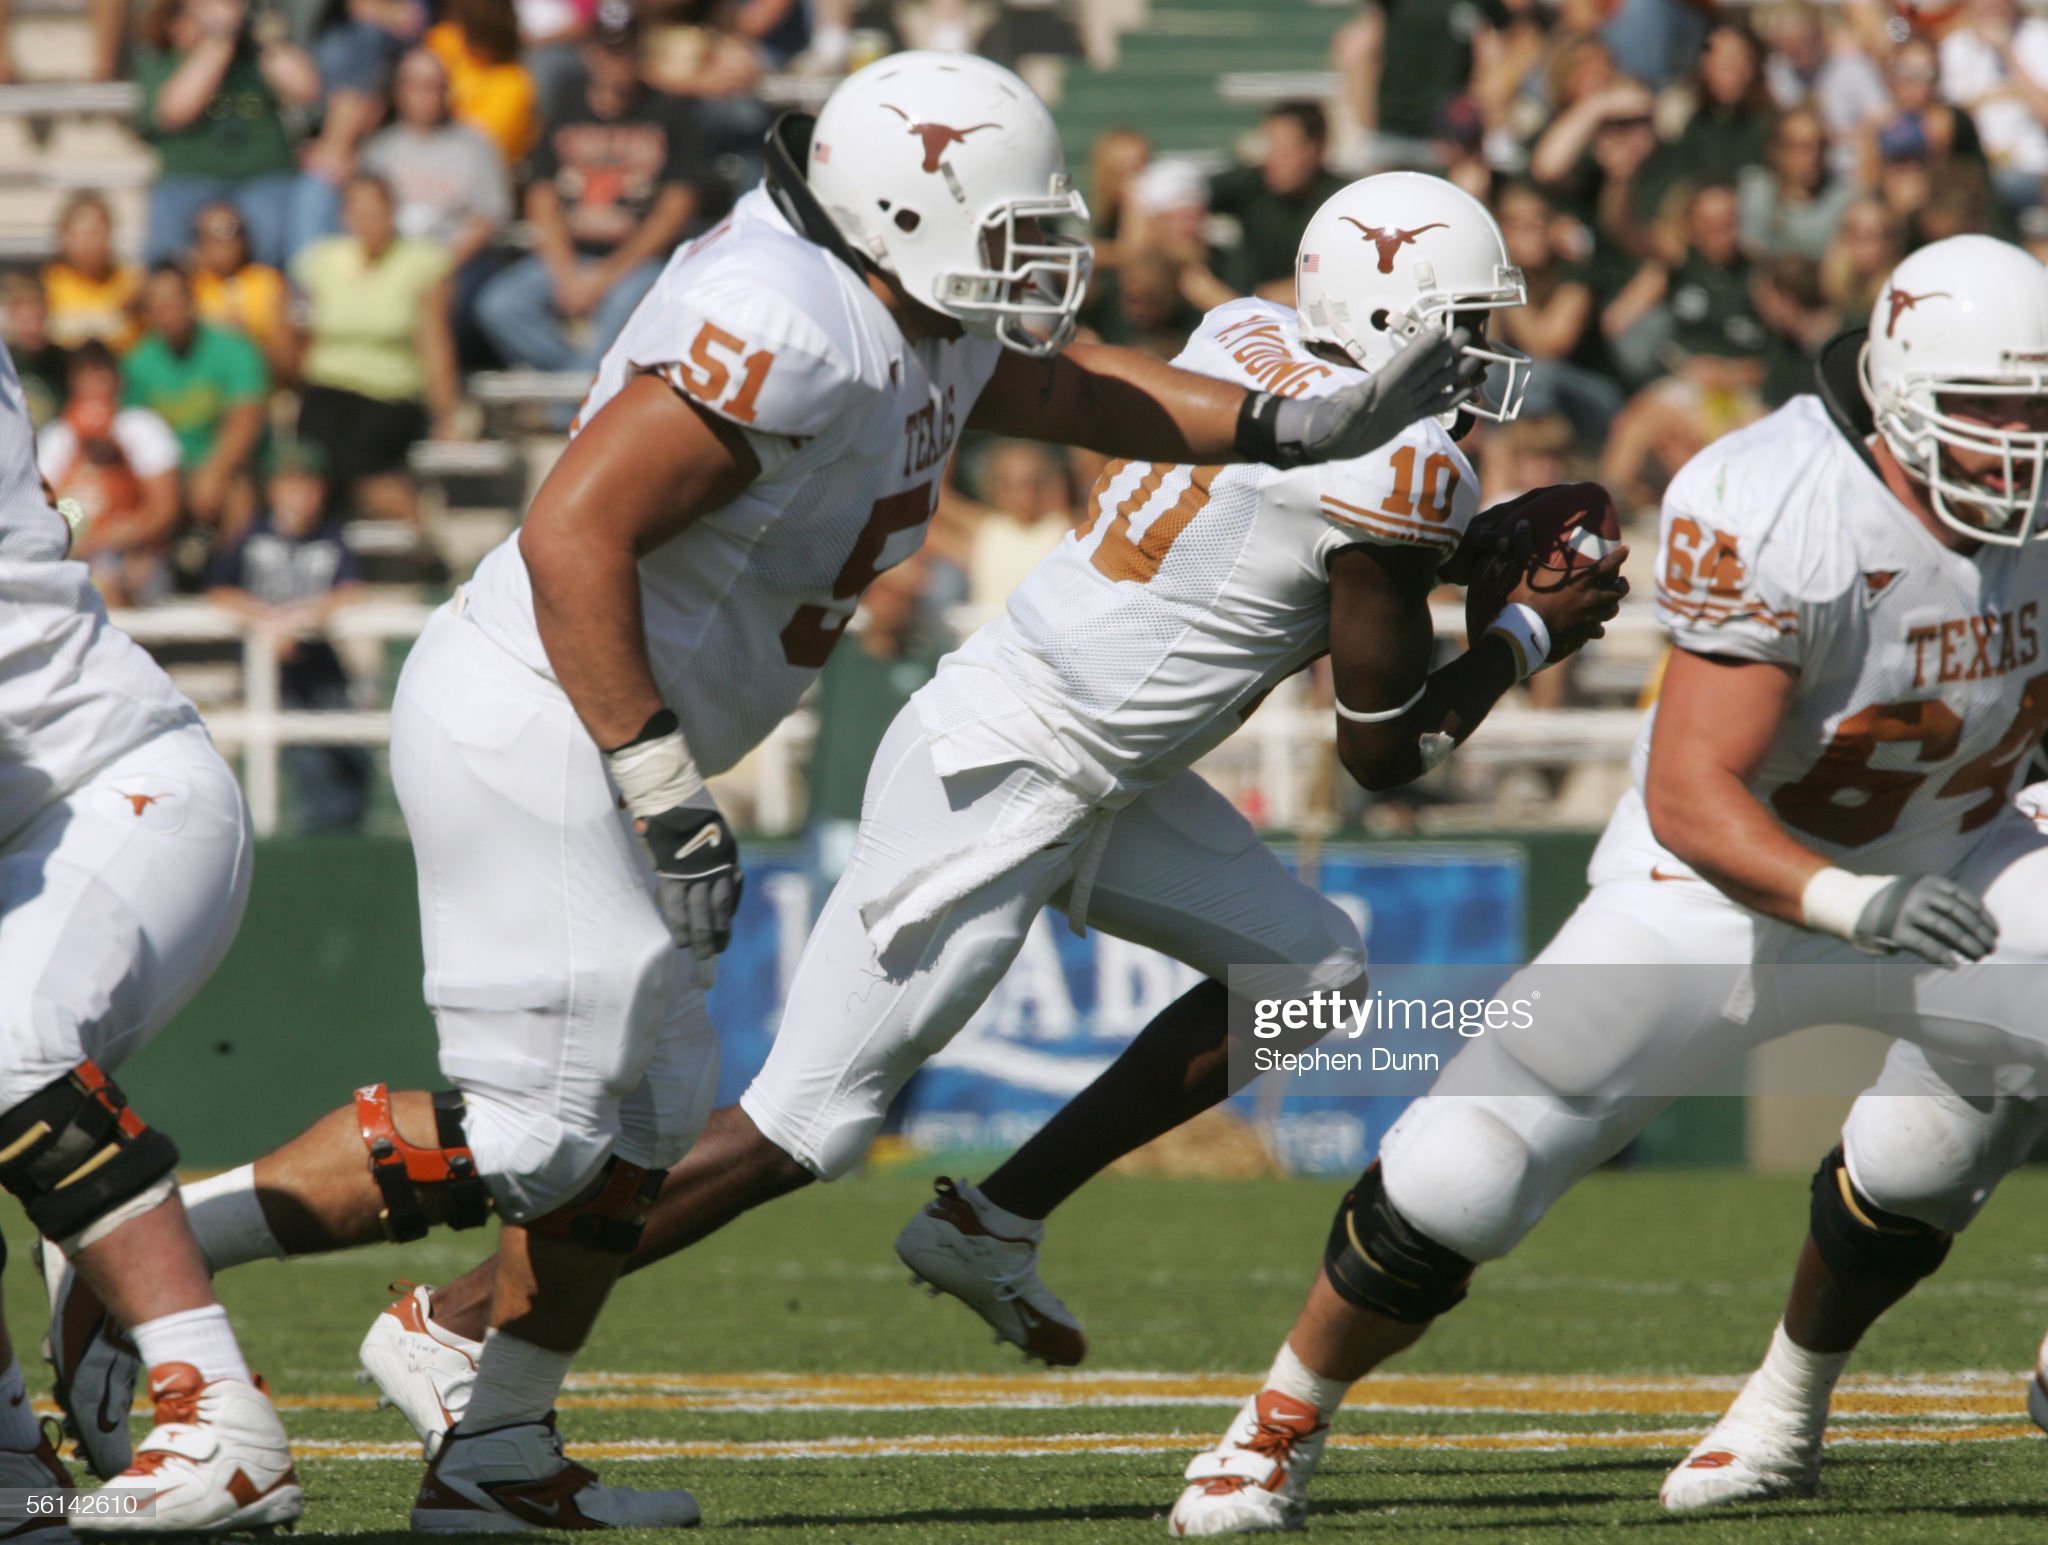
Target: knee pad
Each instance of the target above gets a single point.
(1376, 1260)
(73, 1152)
(1856, 1237)
(400, 1168)
(612, 1216)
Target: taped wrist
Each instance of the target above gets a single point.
(1858, 1238)
(654, 770)
(1834, 900)
(1527, 637)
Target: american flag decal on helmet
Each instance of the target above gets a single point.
(1311, 263)
(823, 152)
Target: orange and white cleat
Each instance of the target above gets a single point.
(512, 1480)
(1256, 1480)
(93, 1364)
(216, 1462)
(950, 1249)
(35, 1469)
(424, 1370)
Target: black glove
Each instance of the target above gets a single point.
(697, 871)
(1928, 916)
(1431, 375)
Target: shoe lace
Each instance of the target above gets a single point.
(1269, 1440)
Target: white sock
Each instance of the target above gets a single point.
(1004, 1224)
(201, 1337)
(1795, 1379)
(516, 1382)
(228, 1221)
(1291, 1376)
(19, 1430)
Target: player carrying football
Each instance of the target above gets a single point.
(1048, 762)
(1856, 686)
(124, 868)
(765, 437)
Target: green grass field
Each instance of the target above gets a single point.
(787, 1374)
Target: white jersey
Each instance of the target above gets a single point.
(75, 692)
(1922, 689)
(1154, 630)
(851, 424)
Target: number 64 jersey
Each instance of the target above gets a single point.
(851, 425)
(1922, 684)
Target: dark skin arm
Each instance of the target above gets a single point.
(1382, 642)
(1716, 719)
(648, 465)
(1113, 400)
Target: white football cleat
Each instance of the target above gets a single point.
(2037, 1389)
(35, 1469)
(425, 1371)
(216, 1462)
(1256, 1480)
(93, 1363)
(1758, 1452)
(950, 1250)
(511, 1480)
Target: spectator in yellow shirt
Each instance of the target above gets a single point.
(232, 290)
(488, 87)
(91, 292)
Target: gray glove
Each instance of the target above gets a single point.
(1928, 916)
(1430, 376)
(697, 873)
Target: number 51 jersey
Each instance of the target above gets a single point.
(1921, 682)
(851, 424)
(1152, 632)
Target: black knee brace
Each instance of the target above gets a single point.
(400, 1168)
(73, 1151)
(1376, 1260)
(1858, 1238)
(613, 1215)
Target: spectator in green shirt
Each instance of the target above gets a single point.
(214, 86)
(209, 385)
(1272, 202)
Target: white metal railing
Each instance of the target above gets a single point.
(768, 784)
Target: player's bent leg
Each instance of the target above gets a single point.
(1916, 1163)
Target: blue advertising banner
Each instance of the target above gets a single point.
(1069, 1004)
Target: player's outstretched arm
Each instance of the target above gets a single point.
(645, 468)
(1716, 719)
(1396, 719)
(1124, 403)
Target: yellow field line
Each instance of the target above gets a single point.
(1950, 1396)
(971, 1445)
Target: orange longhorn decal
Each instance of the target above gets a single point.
(937, 137)
(1390, 242)
(1901, 303)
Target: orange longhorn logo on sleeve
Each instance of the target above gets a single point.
(1390, 242)
(141, 802)
(1902, 302)
(937, 137)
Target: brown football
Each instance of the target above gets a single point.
(1572, 526)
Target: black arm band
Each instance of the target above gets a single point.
(1257, 439)
(663, 723)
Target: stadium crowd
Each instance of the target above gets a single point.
(360, 202)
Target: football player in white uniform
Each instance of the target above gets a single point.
(1856, 686)
(765, 436)
(1048, 761)
(124, 868)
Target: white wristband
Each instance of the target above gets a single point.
(1527, 635)
(655, 775)
(1834, 899)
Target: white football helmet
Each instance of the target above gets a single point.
(1965, 316)
(945, 170)
(1390, 255)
